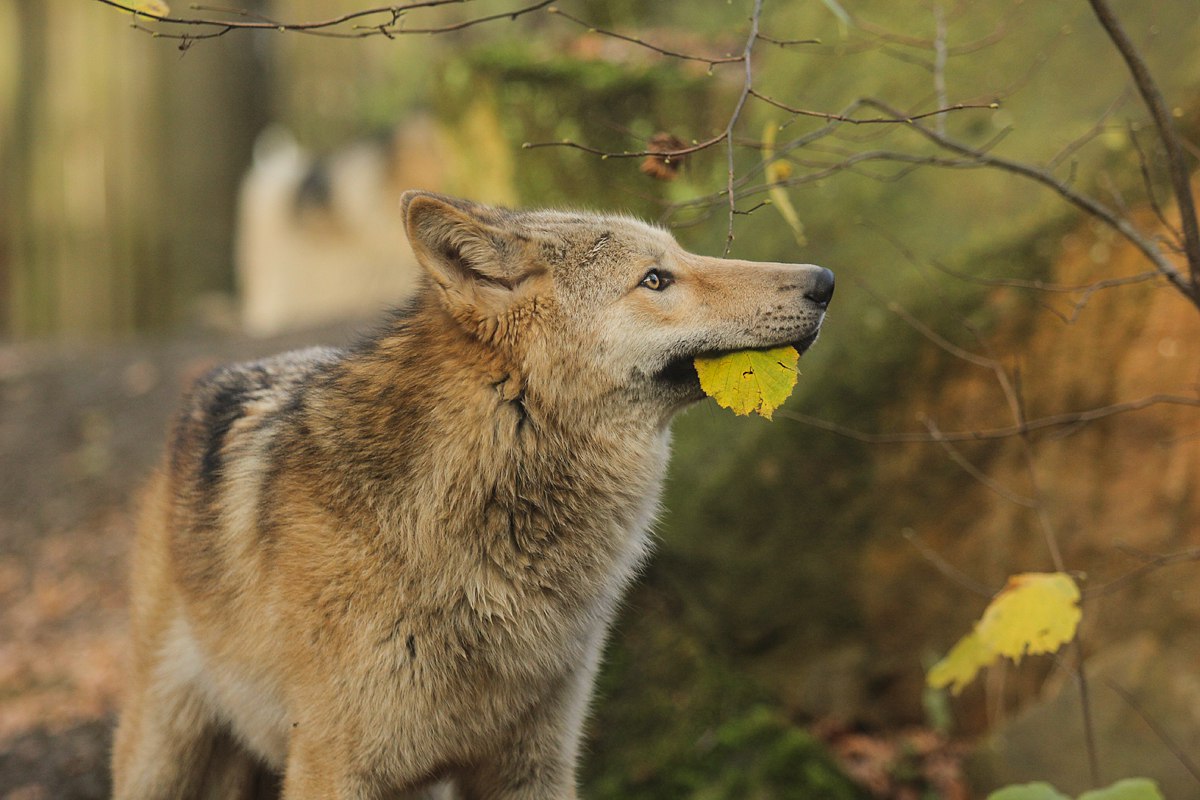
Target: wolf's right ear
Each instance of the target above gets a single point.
(475, 261)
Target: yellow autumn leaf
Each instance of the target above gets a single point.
(777, 170)
(1035, 613)
(750, 380)
(961, 664)
(155, 8)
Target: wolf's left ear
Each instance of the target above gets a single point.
(466, 249)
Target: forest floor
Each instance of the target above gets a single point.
(80, 430)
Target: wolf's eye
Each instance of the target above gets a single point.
(656, 281)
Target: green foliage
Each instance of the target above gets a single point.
(1028, 791)
(548, 96)
(756, 756)
(672, 721)
(1127, 789)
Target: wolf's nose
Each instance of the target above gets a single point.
(821, 292)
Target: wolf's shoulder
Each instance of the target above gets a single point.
(249, 395)
(237, 383)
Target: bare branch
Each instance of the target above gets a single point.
(1075, 145)
(1178, 752)
(1086, 291)
(331, 28)
(1085, 706)
(945, 567)
(884, 35)
(939, 63)
(725, 135)
(930, 334)
(786, 42)
(1046, 178)
(606, 154)
(747, 87)
(1148, 184)
(710, 60)
(1152, 564)
(890, 120)
(1177, 165)
(1051, 422)
(959, 459)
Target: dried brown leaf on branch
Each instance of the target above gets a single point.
(663, 167)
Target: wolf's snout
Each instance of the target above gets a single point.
(821, 291)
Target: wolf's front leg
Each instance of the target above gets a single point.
(320, 770)
(516, 776)
(537, 760)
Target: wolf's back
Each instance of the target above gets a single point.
(237, 408)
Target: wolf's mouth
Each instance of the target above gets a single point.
(683, 369)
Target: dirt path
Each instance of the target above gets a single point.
(80, 428)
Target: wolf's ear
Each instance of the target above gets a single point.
(466, 248)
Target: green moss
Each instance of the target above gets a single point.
(755, 755)
(512, 62)
(613, 106)
(675, 720)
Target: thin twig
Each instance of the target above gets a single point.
(1029, 426)
(747, 87)
(1180, 754)
(326, 28)
(710, 60)
(923, 329)
(889, 120)
(786, 42)
(885, 35)
(1150, 564)
(260, 22)
(1091, 206)
(1075, 145)
(1043, 286)
(1016, 401)
(607, 154)
(1176, 163)
(959, 459)
(1148, 184)
(1085, 706)
(939, 63)
(945, 567)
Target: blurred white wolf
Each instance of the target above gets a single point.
(317, 236)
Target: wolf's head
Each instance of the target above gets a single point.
(590, 307)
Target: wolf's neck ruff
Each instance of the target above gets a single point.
(515, 474)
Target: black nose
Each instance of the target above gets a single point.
(821, 291)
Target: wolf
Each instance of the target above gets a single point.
(390, 569)
(298, 213)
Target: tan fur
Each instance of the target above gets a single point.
(392, 568)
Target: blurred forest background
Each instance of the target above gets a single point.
(166, 208)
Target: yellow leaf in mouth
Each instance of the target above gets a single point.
(750, 380)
